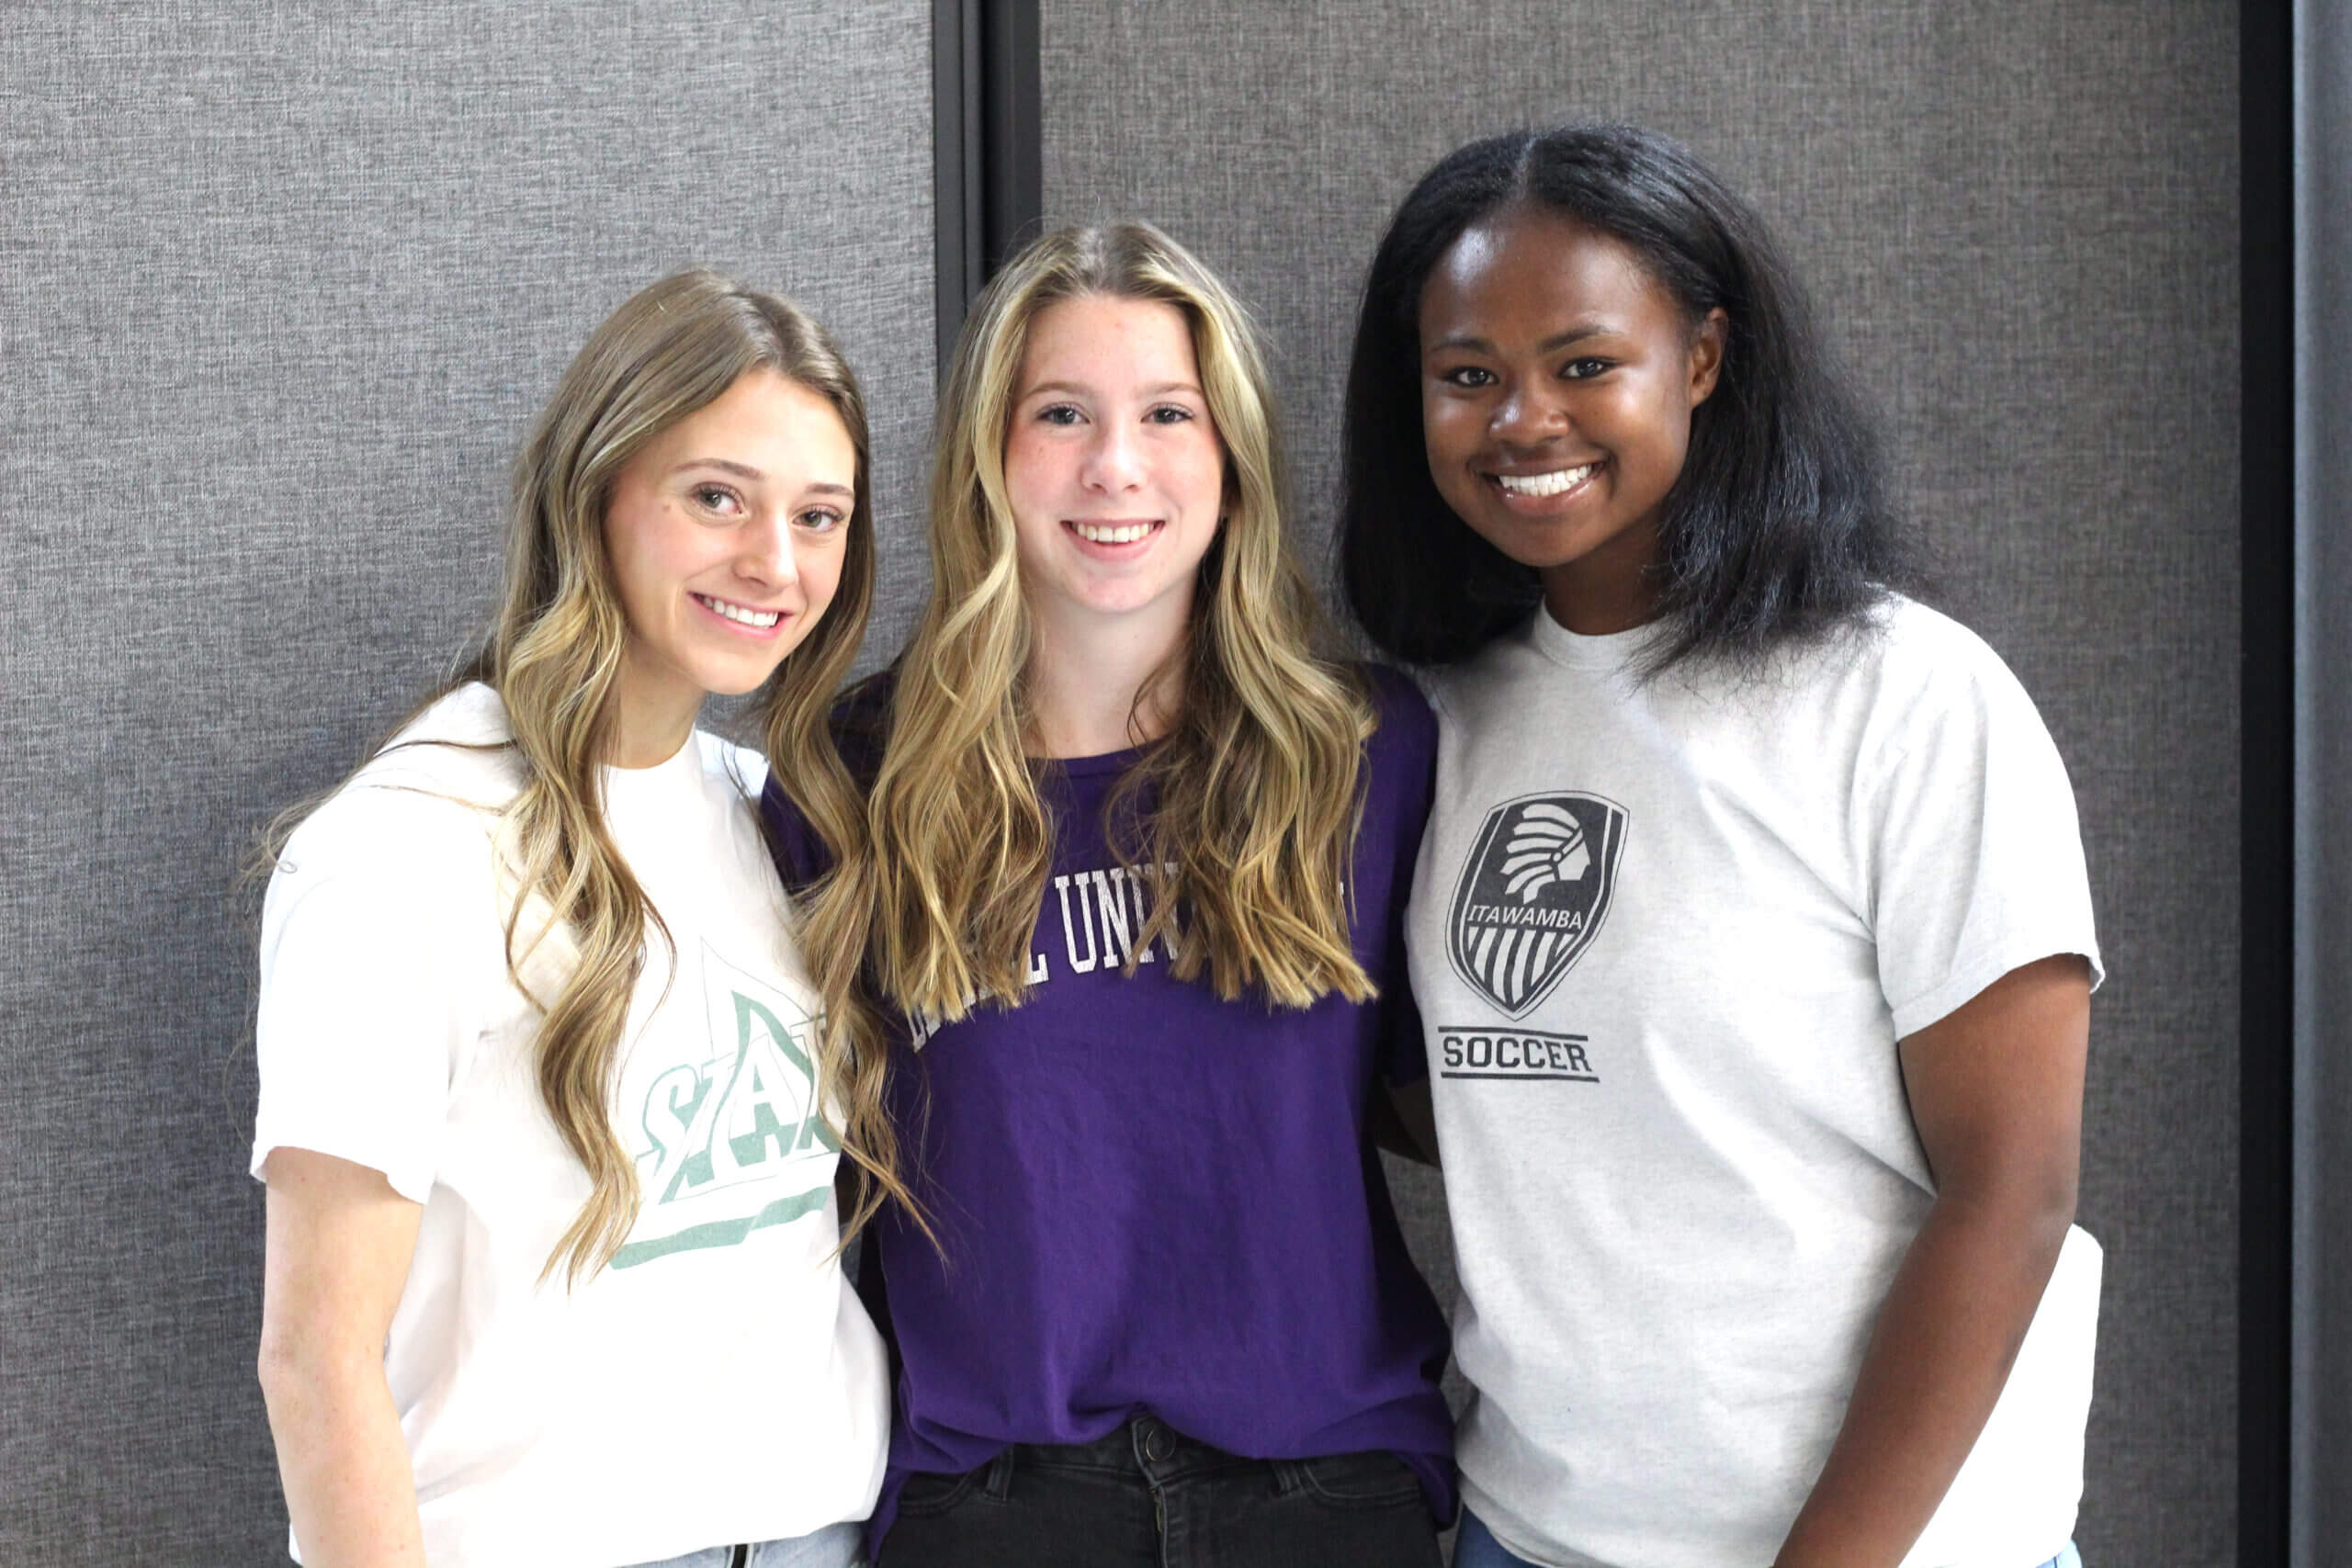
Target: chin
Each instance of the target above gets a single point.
(737, 682)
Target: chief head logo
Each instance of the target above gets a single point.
(1534, 893)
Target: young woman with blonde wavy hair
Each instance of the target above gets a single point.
(1138, 858)
(549, 1116)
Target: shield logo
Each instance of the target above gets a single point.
(1534, 893)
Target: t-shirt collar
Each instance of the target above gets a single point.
(1572, 651)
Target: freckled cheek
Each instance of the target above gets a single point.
(1207, 482)
(1032, 480)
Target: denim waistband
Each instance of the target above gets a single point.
(1142, 1446)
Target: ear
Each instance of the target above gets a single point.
(1707, 355)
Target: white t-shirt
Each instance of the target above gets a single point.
(1664, 937)
(718, 1381)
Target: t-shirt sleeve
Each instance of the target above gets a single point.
(1974, 854)
(1404, 753)
(378, 922)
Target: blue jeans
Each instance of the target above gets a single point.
(835, 1545)
(1474, 1546)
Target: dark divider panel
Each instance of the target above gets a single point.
(279, 289)
(2267, 724)
(2021, 218)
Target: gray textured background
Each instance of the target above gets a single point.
(280, 288)
(2322, 1407)
(278, 296)
(2021, 218)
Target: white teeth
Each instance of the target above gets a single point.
(1544, 484)
(1123, 534)
(737, 612)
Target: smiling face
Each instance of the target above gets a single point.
(1114, 470)
(1557, 383)
(726, 533)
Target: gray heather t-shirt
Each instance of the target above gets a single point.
(1664, 937)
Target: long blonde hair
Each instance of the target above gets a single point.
(553, 657)
(1254, 786)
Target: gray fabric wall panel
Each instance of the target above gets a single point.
(2321, 1402)
(2020, 220)
(278, 295)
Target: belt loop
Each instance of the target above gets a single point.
(1289, 1476)
(741, 1557)
(999, 1483)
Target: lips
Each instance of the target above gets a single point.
(744, 615)
(1112, 532)
(1541, 495)
(1557, 481)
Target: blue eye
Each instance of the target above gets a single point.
(1169, 414)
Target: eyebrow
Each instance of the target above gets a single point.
(1552, 344)
(1071, 389)
(744, 471)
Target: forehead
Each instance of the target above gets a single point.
(1532, 264)
(766, 420)
(1102, 335)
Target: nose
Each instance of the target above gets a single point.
(764, 555)
(1530, 412)
(1114, 462)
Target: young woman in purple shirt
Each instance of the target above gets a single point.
(1138, 863)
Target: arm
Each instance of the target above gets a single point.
(1996, 1091)
(338, 1245)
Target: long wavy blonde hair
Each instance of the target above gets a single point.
(1253, 788)
(554, 656)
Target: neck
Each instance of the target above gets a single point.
(1611, 590)
(1084, 677)
(651, 718)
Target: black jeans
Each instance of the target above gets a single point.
(1147, 1497)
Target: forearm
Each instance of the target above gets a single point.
(1937, 1358)
(343, 1460)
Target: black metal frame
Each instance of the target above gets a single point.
(2266, 709)
(987, 148)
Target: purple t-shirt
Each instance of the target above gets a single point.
(1151, 1199)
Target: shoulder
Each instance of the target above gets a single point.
(861, 724)
(1401, 712)
(1498, 669)
(1917, 666)
(1909, 633)
(434, 794)
(1399, 767)
(460, 745)
(738, 770)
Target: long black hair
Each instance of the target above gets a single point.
(1775, 532)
